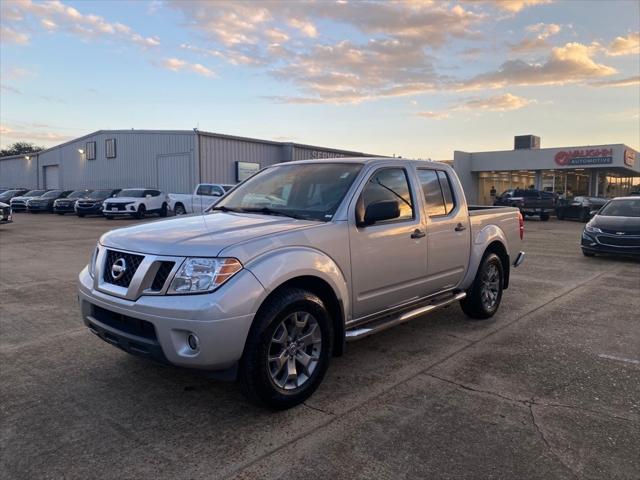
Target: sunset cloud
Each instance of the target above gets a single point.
(542, 31)
(9, 35)
(629, 45)
(618, 82)
(497, 103)
(178, 65)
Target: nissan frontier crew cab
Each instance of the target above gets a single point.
(290, 265)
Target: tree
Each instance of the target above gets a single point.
(20, 148)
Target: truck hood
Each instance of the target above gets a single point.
(120, 200)
(198, 235)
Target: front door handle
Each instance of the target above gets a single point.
(417, 233)
(460, 227)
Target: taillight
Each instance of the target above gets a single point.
(521, 222)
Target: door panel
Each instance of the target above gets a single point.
(51, 174)
(388, 266)
(448, 232)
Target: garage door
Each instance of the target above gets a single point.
(174, 173)
(51, 175)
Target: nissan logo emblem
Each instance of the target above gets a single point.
(118, 268)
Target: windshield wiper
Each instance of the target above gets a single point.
(270, 211)
(222, 208)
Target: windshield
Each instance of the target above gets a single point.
(79, 194)
(621, 208)
(310, 191)
(133, 193)
(34, 193)
(52, 194)
(100, 194)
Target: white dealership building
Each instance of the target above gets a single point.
(595, 170)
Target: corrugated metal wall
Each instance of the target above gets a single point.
(218, 156)
(18, 172)
(135, 165)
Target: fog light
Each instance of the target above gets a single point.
(193, 341)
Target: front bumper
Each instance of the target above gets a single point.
(92, 210)
(38, 208)
(19, 207)
(220, 320)
(601, 243)
(64, 208)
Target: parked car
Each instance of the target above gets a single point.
(44, 203)
(581, 208)
(530, 202)
(19, 203)
(204, 195)
(67, 204)
(7, 195)
(273, 290)
(92, 205)
(136, 202)
(5, 213)
(615, 229)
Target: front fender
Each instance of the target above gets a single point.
(276, 267)
(484, 238)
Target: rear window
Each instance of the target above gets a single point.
(438, 194)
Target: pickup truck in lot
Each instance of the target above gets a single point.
(299, 259)
(203, 196)
(530, 202)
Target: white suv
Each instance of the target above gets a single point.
(136, 202)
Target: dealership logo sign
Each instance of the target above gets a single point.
(575, 158)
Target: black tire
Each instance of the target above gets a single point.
(586, 253)
(254, 376)
(544, 216)
(473, 304)
(560, 215)
(179, 209)
(108, 217)
(60, 213)
(81, 215)
(163, 210)
(142, 211)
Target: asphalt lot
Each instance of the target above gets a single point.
(548, 388)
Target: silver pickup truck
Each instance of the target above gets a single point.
(299, 259)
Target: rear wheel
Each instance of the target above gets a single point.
(560, 215)
(288, 349)
(544, 216)
(60, 213)
(179, 209)
(163, 210)
(483, 299)
(81, 215)
(142, 211)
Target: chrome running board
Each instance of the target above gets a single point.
(391, 321)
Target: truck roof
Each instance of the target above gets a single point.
(365, 160)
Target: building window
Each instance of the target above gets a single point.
(110, 147)
(91, 150)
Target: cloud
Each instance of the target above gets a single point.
(307, 28)
(434, 115)
(32, 133)
(9, 35)
(10, 89)
(178, 65)
(514, 6)
(542, 31)
(618, 82)
(628, 45)
(498, 103)
(55, 15)
(568, 64)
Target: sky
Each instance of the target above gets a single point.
(413, 78)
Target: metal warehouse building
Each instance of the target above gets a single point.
(170, 160)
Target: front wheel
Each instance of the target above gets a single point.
(483, 299)
(544, 216)
(179, 209)
(163, 210)
(288, 349)
(142, 211)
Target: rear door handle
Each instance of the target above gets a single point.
(417, 233)
(460, 227)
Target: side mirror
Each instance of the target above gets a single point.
(379, 212)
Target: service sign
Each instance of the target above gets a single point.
(245, 169)
(319, 154)
(579, 158)
(629, 157)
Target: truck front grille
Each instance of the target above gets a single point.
(117, 259)
(162, 275)
(118, 206)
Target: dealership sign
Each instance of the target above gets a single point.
(629, 157)
(576, 158)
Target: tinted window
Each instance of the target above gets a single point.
(447, 193)
(131, 193)
(621, 208)
(52, 194)
(100, 194)
(432, 192)
(79, 194)
(204, 190)
(389, 185)
(34, 193)
(217, 190)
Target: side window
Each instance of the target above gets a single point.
(432, 192)
(91, 150)
(155, 193)
(110, 147)
(217, 191)
(389, 184)
(204, 190)
(447, 191)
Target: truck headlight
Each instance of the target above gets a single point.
(92, 263)
(199, 275)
